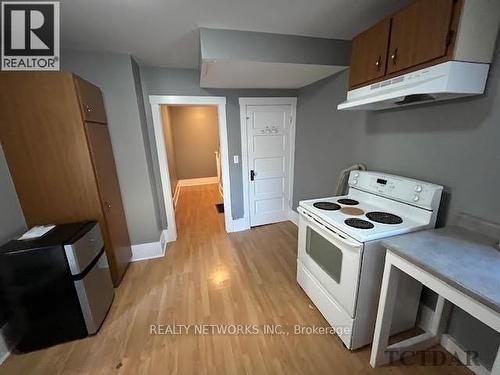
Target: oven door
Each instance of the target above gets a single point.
(332, 258)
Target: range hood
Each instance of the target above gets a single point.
(449, 80)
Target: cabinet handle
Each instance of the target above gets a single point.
(88, 108)
(394, 56)
(108, 205)
(377, 64)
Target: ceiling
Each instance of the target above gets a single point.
(165, 32)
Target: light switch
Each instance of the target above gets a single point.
(236, 159)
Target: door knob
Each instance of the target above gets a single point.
(252, 175)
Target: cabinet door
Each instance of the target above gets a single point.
(109, 191)
(419, 34)
(91, 102)
(44, 142)
(369, 53)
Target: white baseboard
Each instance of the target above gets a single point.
(198, 181)
(177, 191)
(145, 251)
(240, 225)
(166, 237)
(4, 350)
(151, 250)
(447, 342)
(294, 216)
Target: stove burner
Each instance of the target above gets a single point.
(330, 206)
(384, 218)
(352, 211)
(348, 202)
(358, 223)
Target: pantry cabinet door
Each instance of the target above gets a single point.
(119, 250)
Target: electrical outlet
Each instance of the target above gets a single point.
(236, 159)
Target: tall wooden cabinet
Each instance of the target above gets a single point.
(54, 135)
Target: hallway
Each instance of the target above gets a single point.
(195, 213)
(212, 278)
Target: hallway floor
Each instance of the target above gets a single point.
(213, 278)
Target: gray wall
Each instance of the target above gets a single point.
(145, 139)
(170, 146)
(452, 143)
(164, 81)
(12, 222)
(126, 90)
(195, 132)
(121, 88)
(326, 140)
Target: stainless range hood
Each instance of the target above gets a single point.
(449, 80)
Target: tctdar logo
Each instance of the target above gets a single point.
(30, 35)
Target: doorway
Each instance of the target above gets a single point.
(190, 167)
(192, 146)
(268, 153)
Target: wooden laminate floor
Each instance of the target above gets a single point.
(212, 278)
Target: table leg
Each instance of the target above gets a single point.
(386, 305)
(440, 316)
(496, 365)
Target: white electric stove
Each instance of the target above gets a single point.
(340, 256)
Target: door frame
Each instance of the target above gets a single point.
(271, 101)
(220, 101)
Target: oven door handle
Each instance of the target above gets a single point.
(337, 236)
(343, 239)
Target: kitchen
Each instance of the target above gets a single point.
(451, 144)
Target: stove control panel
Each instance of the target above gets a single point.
(407, 190)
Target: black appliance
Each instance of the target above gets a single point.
(55, 288)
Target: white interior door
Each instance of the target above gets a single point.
(268, 134)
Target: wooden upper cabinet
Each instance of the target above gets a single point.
(419, 33)
(91, 101)
(369, 53)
